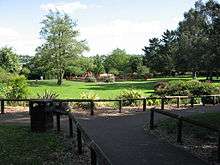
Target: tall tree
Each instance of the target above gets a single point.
(61, 44)
(192, 41)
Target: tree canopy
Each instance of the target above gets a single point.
(61, 43)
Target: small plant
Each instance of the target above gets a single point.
(128, 95)
(87, 96)
(48, 95)
(90, 79)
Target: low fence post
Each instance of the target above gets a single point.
(162, 103)
(179, 130)
(178, 102)
(2, 107)
(192, 101)
(144, 104)
(92, 106)
(58, 122)
(120, 106)
(151, 119)
(214, 100)
(70, 127)
(218, 154)
(79, 140)
(93, 157)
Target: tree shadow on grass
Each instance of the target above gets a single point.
(122, 86)
(50, 83)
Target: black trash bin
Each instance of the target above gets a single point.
(41, 116)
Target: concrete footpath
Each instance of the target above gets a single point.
(125, 142)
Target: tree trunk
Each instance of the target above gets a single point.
(194, 74)
(60, 77)
(210, 76)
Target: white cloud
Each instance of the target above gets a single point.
(22, 43)
(130, 35)
(66, 7)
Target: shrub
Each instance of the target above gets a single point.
(16, 87)
(90, 79)
(89, 96)
(185, 88)
(48, 95)
(109, 79)
(127, 95)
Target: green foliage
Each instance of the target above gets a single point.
(126, 95)
(90, 79)
(61, 44)
(16, 87)
(192, 47)
(185, 88)
(48, 95)
(98, 65)
(108, 79)
(118, 59)
(25, 71)
(9, 60)
(87, 96)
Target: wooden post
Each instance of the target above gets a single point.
(214, 100)
(151, 119)
(93, 157)
(58, 122)
(179, 130)
(144, 104)
(218, 156)
(120, 106)
(70, 127)
(192, 101)
(2, 107)
(92, 106)
(162, 103)
(178, 102)
(79, 141)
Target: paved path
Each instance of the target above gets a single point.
(125, 142)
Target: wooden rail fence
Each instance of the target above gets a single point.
(120, 101)
(180, 120)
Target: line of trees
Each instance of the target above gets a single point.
(193, 47)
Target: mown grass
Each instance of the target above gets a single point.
(20, 146)
(73, 89)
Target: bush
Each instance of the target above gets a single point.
(185, 88)
(16, 88)
(48, 95)
(127, 95)
(87, 96)
(90, 79)
(109, 79)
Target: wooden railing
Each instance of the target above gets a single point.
(97, 155)
(120, 101)
(180, 120)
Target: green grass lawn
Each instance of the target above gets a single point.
(20, 146)
(73, 89)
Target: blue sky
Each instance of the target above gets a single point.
(105, 24)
